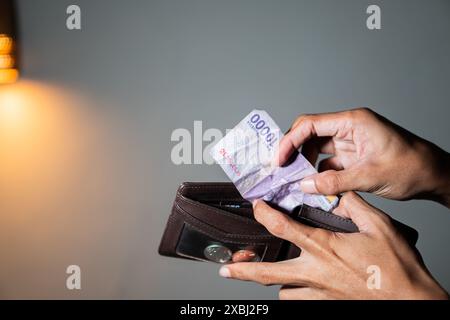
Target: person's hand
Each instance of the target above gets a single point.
(335, 265)
(368, 153)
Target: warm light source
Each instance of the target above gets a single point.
(6, 43)
(8, 75)
(9, 71)
(6, 61)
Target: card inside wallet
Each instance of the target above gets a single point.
(210, 221)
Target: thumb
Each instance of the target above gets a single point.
(331, 182)
(353, 207)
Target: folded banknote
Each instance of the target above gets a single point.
(246, 155)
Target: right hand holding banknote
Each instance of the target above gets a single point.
(368, 153)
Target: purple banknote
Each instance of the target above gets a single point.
(246, 154)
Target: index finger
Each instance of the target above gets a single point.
(266, 273)
(308, 126)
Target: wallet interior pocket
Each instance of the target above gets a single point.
(242, 208)
(216, 230)
(198, 245)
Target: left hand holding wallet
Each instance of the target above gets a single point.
(375, 263)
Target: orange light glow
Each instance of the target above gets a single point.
(61, 177)
(6, 61)
(8, 75)
(11, 107)
(6, 43)
(13, 104)
(27, 104)
(43, 132)
(8, 72)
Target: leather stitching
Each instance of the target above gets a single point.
(229, 186)
(323, 225)
(225, 234)
(330, 215)
(219, 211)
(229, 241)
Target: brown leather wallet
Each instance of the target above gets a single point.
(210, 221)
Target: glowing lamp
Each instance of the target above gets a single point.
(9, 67)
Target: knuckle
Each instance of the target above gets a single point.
(258, 208)
(301, 117)
(348, 198)
(241, 271)
(310, 240)
(320, 240)
(303, 238)
(279, 226)
(329, 183)
(333, 239)
(345, 200)
(235, 272)
(265, 281)
(383, 223)
(302, 120)
(264, 277)
(363, 111)
(296, 121)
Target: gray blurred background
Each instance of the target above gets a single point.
(86, 176)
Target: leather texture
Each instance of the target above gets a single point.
(217, 211)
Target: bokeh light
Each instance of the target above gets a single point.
(8, 71)
(6, 43)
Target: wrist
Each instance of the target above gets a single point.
(422, 286)
(435, 166)
(441, 191)
(429, 289)
(428, 293)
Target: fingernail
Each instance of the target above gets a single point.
(308, 185)
(255, 202)
(224, 272)
(243, 256)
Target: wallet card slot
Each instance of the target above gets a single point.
(221, 233)
(243, 211)
(219, 216)
(206, 191)
(228, 203)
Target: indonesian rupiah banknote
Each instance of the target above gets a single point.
(246, 155)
